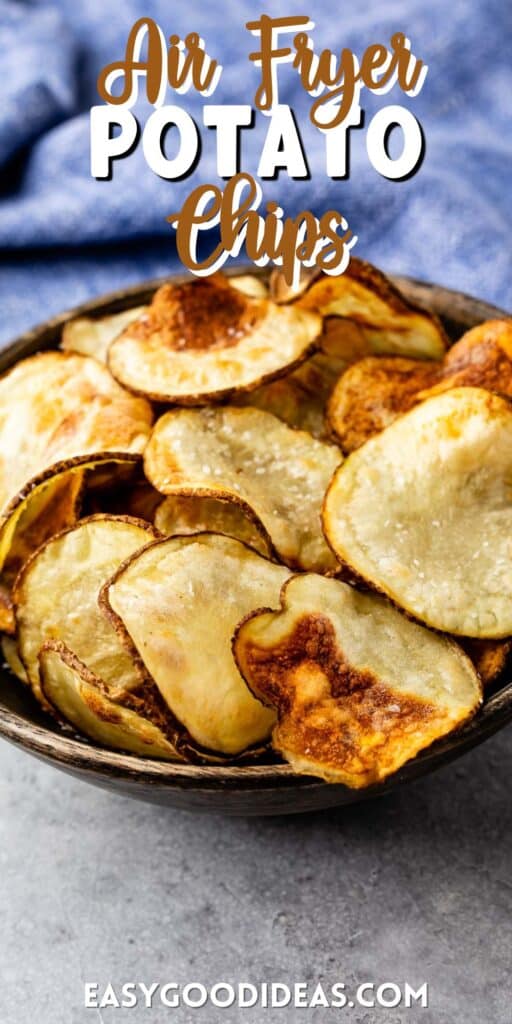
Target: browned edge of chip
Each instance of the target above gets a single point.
(185, 744)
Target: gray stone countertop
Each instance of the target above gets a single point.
(412, 887)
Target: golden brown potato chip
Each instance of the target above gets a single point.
(359, 689)
(179, 602)
(79, 697)
(423, 512)
(56, 598)
(371, 394)
(488, 656)
(276, 474)
(50, 509)
(92, 335)
(12, 658)
(388, 323)
(206, 340)
(177, 515)
(56, 490)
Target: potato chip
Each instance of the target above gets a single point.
(177, 515)
(371, 394)
(56, 490)
(179, 602)
(387, 322)
(205, 340)
(488, 656)
(51, 508)
(247, 456)
(12, 658)
(423, 512)
(358, 688)
(300, 398)
(55, 406)
(56, 598)
(249, 284)
(78, 696)
(91, 336)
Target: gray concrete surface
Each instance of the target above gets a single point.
(413, 887)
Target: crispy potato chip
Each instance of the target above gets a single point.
(58, 490)
(12, 657)
(51, 509)
(56, 598)
(205, 340)
(358, 688)
(78, 696)
(371, 394)
(177, 515)
(92, 335)
(481, 358)
(300, 398)
(55, 406)
(179, 602)
(488, 656)
(388, 323)
(277, 474)
(7, 620)
(423, 512)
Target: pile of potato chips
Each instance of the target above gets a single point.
(244, 518)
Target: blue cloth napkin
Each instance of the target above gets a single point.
(65, 237)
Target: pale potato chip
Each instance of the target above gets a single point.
(249, 284)
(205, 340)
(423, 512)
(57, 406)
(276, 474)
(92, 335)
(78, 696)
(388, 323)
(12, 658)
(358, 688)
(371, 394)
(177, 515)
(56, 598)
(179, 602)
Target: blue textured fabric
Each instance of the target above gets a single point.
(65, 236)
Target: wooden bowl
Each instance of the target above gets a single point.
(260, 789)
